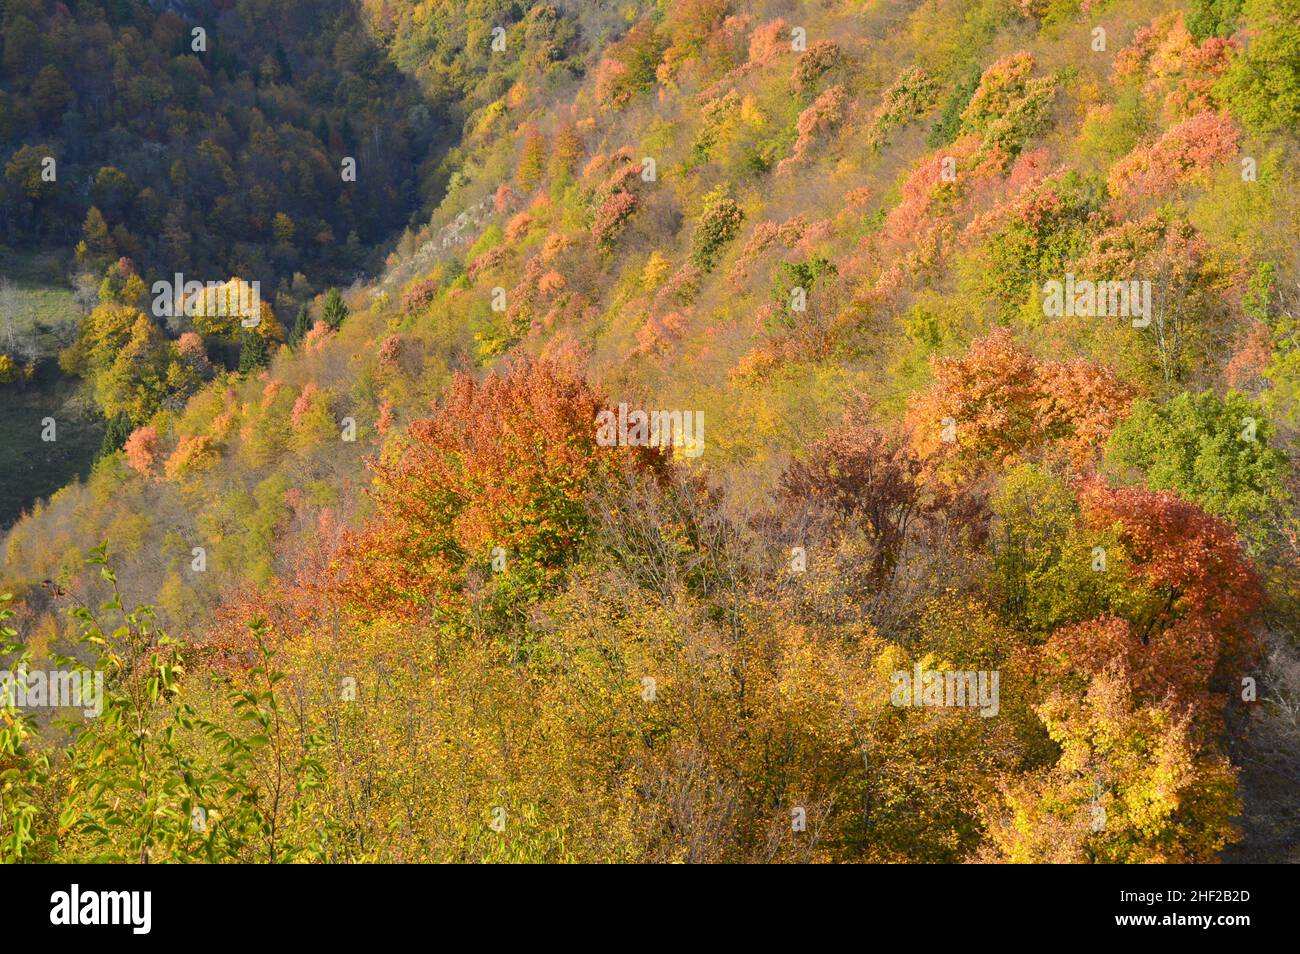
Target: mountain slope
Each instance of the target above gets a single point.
(834, 231)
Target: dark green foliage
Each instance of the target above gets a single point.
(301, 325)
(252, 353)
(119, 429)
(945, 130)
(335, 312)
(206, 147)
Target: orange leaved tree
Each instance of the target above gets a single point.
(491, 488)
(998, 405)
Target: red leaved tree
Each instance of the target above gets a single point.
(1183, 627)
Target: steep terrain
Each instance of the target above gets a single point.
(850, 239)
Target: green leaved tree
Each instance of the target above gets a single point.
(334, 312)
(1214, 451)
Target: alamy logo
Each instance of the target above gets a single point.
(219, 299)
(930, 687)
(55, 689)
(638, 428)
(103, 907)
(1087, 299)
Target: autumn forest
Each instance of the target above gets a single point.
(662, 431)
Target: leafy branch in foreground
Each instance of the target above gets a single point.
(152, 781)
(23, 772)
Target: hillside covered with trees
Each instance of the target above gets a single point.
(976, 325)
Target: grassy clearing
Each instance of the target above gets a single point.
(42, 307)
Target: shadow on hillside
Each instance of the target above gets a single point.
(34, 467)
